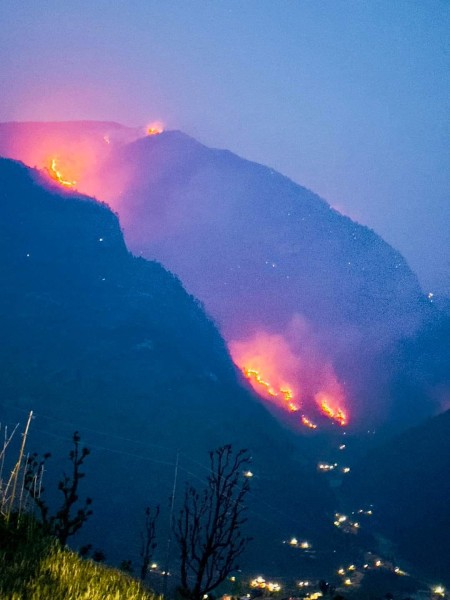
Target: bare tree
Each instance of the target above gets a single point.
(209, 527)
(148, 543)
(64, 522)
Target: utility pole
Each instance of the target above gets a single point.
(16, 470)
(169, 539)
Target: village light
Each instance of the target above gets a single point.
(439, 590)
(273, 587)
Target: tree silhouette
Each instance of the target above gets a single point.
(148, 543)
(209, 526)
(63, 523)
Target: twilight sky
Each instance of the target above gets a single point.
(349, 98)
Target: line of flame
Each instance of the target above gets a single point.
(57, 175)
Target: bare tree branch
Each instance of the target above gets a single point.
(208, 528)
(148, 543)
(63, 523)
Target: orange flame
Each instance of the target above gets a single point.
(335, 413)
(155, 128)
(56, 174)
(74, 154)
(284, 393)
(307, 423)
(278, 370)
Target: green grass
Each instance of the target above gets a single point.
(35, 567)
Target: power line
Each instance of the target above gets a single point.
(153, 460)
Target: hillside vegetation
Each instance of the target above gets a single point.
(36, 567)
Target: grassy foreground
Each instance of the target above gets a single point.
(33, 567)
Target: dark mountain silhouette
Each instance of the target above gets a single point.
(264, 255)
(99, 341)
(407, 480)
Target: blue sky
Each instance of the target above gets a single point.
(351, 99)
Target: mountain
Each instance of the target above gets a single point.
(100, 340)
(409, 486)
(97, 340)
(269, 258)
(274, 265)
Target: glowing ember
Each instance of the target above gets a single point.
(57, 175)
(307, 423)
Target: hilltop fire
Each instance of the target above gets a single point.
(155, 128)
(56, 174)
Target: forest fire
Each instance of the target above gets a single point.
(74, 154)
(308, 423)
(254, 376)
(56, 174)
(285, 393)
(259, 359)
(155, 128)
(290, 368)
(335, 414)
(277, 374)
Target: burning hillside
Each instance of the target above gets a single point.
(298, 381)
(56, 172)
(258, 250)
(71, 154)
